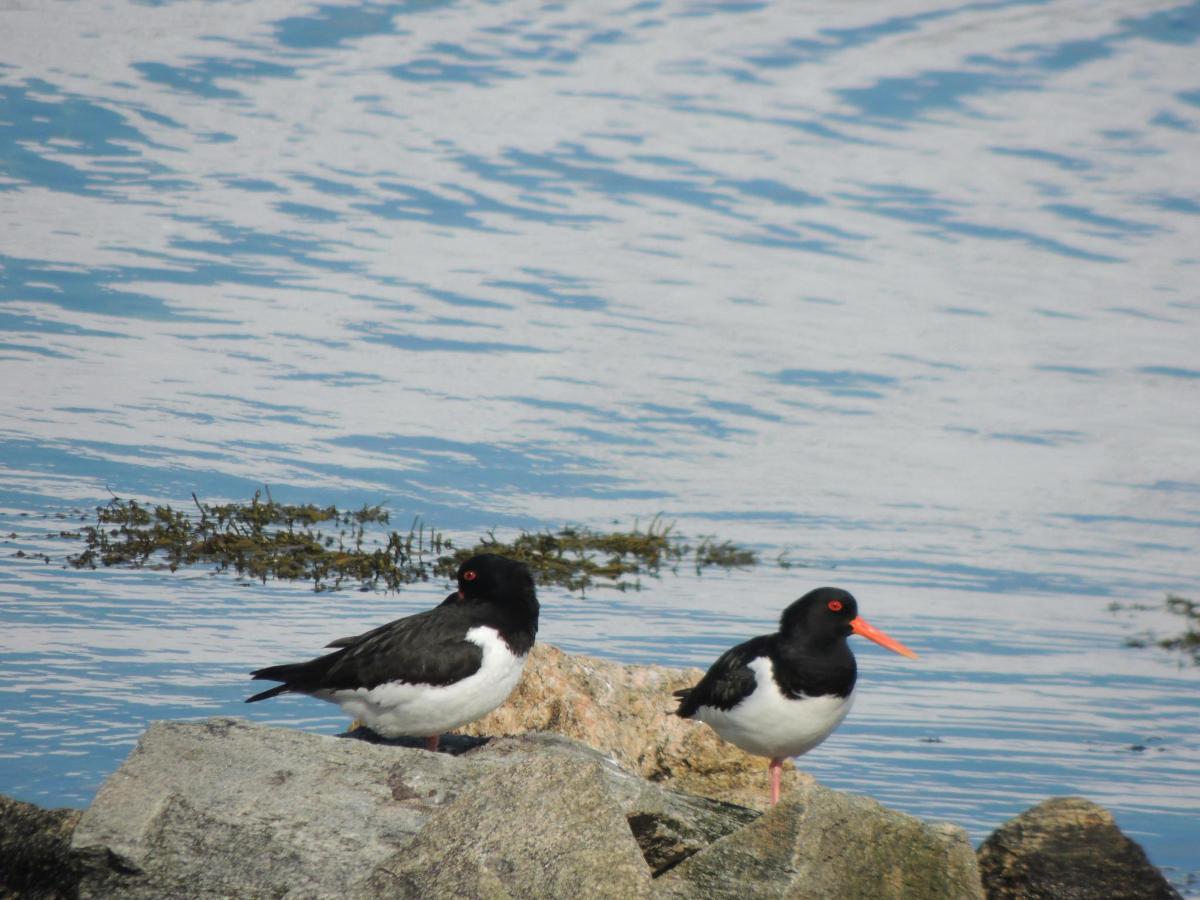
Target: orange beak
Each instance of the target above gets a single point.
(871, 633)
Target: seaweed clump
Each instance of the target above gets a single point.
(261, 539)
(578, 558)
(1187, 641)
(264, 539)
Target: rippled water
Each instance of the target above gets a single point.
(906, 292)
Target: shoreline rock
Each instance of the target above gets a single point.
(822, 843)
(1071, 848)
(226, 807)
(35, 845)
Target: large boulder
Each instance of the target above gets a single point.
(546, 826)
(223, 807)
(825, 844)
(227, 808)
(34, 850)
(627, 712)
(1067, 848)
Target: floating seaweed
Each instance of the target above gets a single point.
(577, 558)
(724, 554)
(264, 539)
(261, 539)
(1187, 641)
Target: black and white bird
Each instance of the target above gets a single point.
(434, 671)
(781, 694)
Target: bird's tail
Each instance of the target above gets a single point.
(270, 692)
(682, 696)
(295, 677)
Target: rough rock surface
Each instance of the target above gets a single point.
(493, 841)
(1067, 848)
(626, 711)
(226, 808)
(819, 843)
(223, 807)
(34, 845)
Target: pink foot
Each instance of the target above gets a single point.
(776, 769)
(431, 743)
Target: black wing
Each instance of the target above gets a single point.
(452, 597)
(727, 682)
(428, 648)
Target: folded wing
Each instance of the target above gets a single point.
(427, 648)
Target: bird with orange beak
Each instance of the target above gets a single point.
(781, 694)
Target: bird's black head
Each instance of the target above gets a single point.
(821, 615)
(500, 592)
(496, 579)
(828, 615)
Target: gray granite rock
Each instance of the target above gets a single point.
(545, 825)
(34, 850)
(819, 843)
(669, 827)
(224, 807)
(1067, 848)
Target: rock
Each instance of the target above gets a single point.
(223, 807)
(1067, 848)
(226, 808)
(34, 850)
(669, 827)
(627, 712)
(819, 843)
(548, 825)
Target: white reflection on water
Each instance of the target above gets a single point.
(908, 296)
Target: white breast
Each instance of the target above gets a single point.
(396, 709)
(769, 724)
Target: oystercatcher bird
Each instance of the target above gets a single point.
(433, 671)
(779, 695)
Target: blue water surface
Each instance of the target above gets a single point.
(904, 298)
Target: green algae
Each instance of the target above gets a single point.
(333, 549)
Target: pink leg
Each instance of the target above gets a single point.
(776, 768)
(431, 743)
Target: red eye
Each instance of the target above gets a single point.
(469, 575)
(835, 605)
